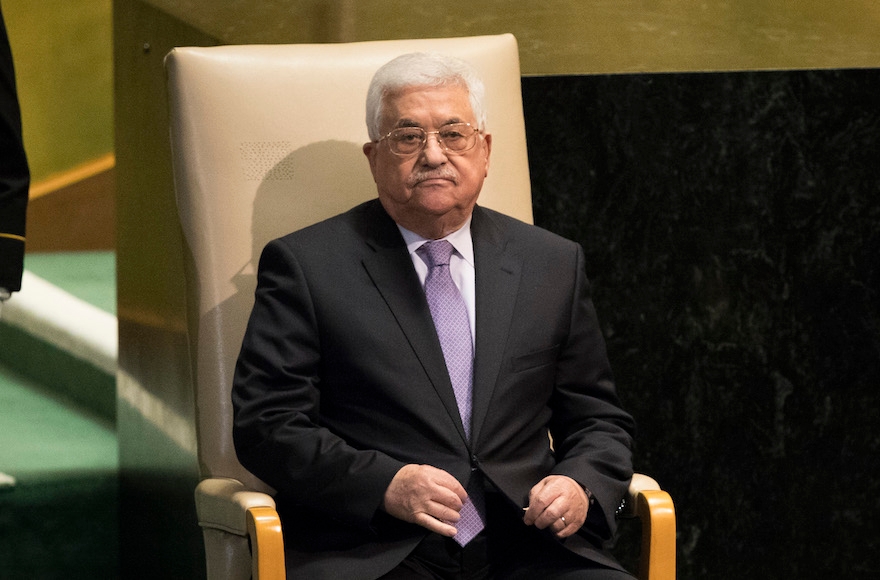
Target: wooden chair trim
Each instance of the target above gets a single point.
(267, 543)
(656, 512)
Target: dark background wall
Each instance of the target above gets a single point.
(732, 227)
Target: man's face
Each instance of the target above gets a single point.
(432, 192)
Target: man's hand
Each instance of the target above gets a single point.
(559, 503)
(426, 496)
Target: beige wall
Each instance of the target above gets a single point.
(64, 70)
(576, 36)
(555, 36)
(64, 67)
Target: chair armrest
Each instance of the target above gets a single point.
(228, 506)
(656, 512)
(223, 504)
(640, 483)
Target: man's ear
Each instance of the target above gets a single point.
(487, 143)
(370, 149)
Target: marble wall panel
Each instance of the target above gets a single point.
(732, 228)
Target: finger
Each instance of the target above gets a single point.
(445, 480)
(448, 498)
(564, 526)
(545, 507)
(439, 518)
(559, 516)
(433, 524)
(567, 528)
(555, 497)
(536, 505)
(551, 516)
(444, 513)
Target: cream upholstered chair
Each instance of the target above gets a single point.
(267, 139)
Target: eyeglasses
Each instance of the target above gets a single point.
(453, 138)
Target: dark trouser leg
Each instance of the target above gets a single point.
(506, 550)
(520, 552)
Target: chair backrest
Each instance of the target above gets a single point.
(267, 139)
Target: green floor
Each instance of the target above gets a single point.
(59, 520)
(90, 276)
(45, 436)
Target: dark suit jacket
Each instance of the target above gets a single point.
(14, 173)
(341, 381)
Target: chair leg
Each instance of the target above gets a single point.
(267, 544)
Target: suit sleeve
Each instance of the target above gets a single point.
(14, 173)
(592, 434)
(276, 396)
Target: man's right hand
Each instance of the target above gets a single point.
(427, 496)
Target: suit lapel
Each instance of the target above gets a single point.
(390, 268)
(497, 281)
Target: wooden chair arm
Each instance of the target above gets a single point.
(656, 512)
(267, 544)
(227, 505)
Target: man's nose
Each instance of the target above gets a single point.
(433, 153)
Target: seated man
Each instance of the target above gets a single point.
(405, 361)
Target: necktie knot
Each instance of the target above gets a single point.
(436, 253)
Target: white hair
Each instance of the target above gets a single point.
(423, 69)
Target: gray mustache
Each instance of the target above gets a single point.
(444, 173)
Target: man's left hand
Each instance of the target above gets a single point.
(559, 503)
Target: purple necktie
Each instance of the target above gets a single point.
(454, 330)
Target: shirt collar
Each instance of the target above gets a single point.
(460, 239)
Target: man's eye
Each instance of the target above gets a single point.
(408, 136)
